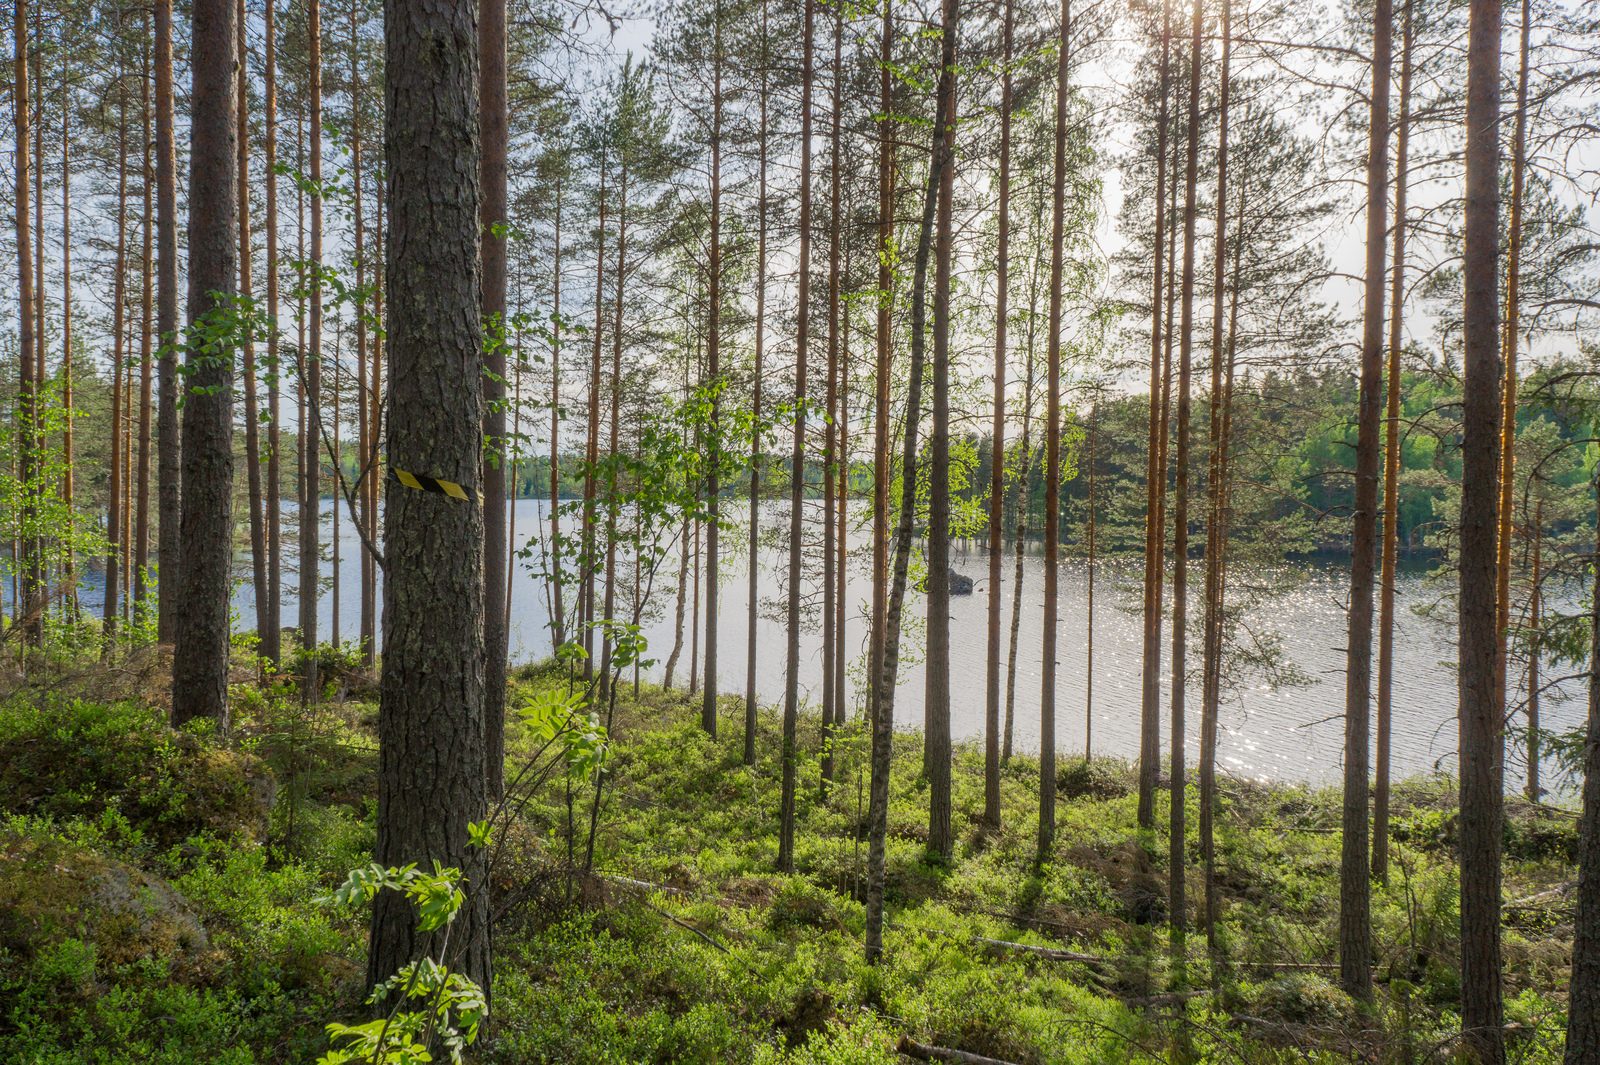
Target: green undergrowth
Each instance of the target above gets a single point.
(159, 902)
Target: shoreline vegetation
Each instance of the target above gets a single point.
(163, 897)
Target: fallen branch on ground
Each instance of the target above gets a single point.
(913, 1049)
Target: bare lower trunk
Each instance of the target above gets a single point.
(430, 722)
(1482, 741)
(200, 637)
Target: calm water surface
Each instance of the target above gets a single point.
(1287, 733)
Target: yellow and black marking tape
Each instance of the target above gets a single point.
(430, 484)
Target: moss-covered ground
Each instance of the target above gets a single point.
(160, 901)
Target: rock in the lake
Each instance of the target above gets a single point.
(959, 584)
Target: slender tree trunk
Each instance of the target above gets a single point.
(1052, 476)
(936, 758)
(1482, 741)
(305, 451)
(26, 312)
(797, 473)
(200, 638)
(114, 533)
(492, 124)
(1391, 477)
(70, 574)
(1023, 497)
(1211, 693)
(755, 413)
(252, 410)
(311, 372)
(880, 703)
(1155, 476)
(831, 663)
(1180, 513)
(336, 466)
(1088, 675)
(1513, 311)
(431, 719)
(592, 454)
(841, 654)
(1355, 886)
(997, 456)
(694, 625)
(708, 706)
(271, 639)
(366, 377)
(1583, 989)
(560, 619)
(683, 588)
(883, 701)
(1535, 622)
(169, 448)
(141, 527)
(615, 443)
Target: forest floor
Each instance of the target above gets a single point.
(161, 900)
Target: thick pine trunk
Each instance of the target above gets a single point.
(430, 722)
(311, 373)
(205, 543)
(1482, 741)
(492, 125)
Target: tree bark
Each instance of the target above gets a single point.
(1180, 512)
(1583, 989)
(272, 639)
(1482, 742)
(1355, 889)
(883, 701)
(1513, 312)
(169, 447)
(797, 473)
(114, 532)
(1391, 477)
(1211, 691)
(70, 574)
(755, 413)
(881, 716)
(431, 721)
(252, 411)
(492, 123)
(26, 298)
(1155, 476)
(141, 527)
(708, 705)
(200, 637)
(997, 451)
(831, 663)
(311, 371)
(1052, 476)
(937, 759)
(366, 376)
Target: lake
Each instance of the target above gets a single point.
(1283, 733)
